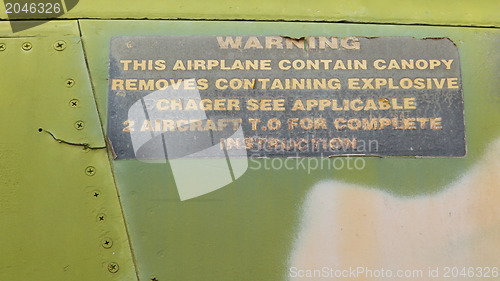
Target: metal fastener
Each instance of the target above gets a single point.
(90, 171)
(27, 46)
(74, 103)
(113, 267)
(69, 83)
(60, 45)
(96, 194)
(107, 243)
(3, 46)
(101, 217)
(79, 125)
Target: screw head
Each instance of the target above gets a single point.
(79, 125)
(107, 243)
(90, 171)
(113, 267)
(27, 46)
(96, 194)
(59, 45)
(101, 217)
(69, 83)
(74, 103)
(3, 46)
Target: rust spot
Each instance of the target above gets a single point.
(385, 100)
(293, 38)
(113, 153)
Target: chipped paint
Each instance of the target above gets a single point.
(346, 225)
(85, 146)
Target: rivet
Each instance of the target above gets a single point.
(101, 217)
(107, 243)
(79, 125)
(113, 267)
(74, 103)
(60, 45)
(27, 46)
(90, 171)
(69, 83)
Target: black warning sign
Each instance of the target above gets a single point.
(274, 96)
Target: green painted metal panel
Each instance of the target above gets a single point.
(449, 12)
(55, 211)
(69, 211)
(250, 229)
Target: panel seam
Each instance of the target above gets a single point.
(493, 26)
(108, 157)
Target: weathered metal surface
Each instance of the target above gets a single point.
(448, 12)
(278, 221)
(265, 222)
(49, 198)
(281, 97)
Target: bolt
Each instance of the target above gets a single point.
(79, 125)
(69, 83)
(3, 46)
(60, 45)
(90, 171)
(107, 243)
(73, 103)
(113, 267)
(27, 46)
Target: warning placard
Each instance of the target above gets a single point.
(275, 96)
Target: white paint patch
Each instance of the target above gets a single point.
(346, 225)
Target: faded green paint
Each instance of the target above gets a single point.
(49, 225)
(246, 229)
(472, 43)
(445, 12)
(50, 228)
